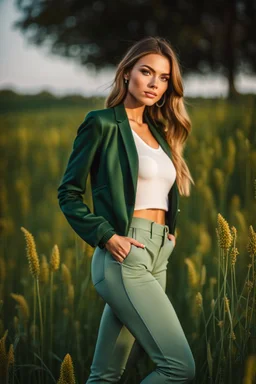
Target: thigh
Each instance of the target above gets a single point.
(160, 267)
(161, 278)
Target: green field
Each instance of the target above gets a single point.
(49, 307)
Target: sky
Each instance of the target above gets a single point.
(26, 68)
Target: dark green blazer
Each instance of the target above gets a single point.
(104, 147)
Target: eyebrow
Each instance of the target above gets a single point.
(145, 65)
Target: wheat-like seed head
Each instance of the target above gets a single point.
(230, 159)
(67, 371)
(192, 274)
(203, 275)
(207, 195)
(234, 233)
(32, 256)
(226, 300)
(3, 353)
(251, 246)
(44, 271)
(249, 285)
(199, 300)
(66, 275)
(23, 305)
(71, 294)
(233, 254)
(235, 204)
(55, 258)
(224, 234)
(3, 357)
(205, 241)
(218, 176)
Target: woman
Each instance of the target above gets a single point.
(133, 152)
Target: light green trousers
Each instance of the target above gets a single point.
(138, 309)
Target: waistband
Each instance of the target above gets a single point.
(149, 225)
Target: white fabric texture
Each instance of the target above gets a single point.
(156, 176)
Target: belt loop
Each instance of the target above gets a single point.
(151, 230)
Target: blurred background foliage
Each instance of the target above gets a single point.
(217, 37)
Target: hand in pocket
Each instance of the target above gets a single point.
(120, 246)
(172, 237)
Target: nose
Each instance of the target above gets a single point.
(153, 83)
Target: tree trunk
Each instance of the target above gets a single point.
(229, 45)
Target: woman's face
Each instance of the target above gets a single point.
(149, 75)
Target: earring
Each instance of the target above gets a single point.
(162, 103)
(126, 81)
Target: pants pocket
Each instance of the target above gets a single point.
(136, 255)
(131, 233)
(98, 265)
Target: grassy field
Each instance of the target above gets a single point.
(50, 311)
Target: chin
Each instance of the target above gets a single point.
(149, 103)
(146, 101)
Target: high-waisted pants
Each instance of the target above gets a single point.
(138, 309)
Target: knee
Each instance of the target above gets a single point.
(191, 369)
(182, 370)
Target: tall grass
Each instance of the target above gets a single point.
(228, 326)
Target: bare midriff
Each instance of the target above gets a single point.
(154, 214)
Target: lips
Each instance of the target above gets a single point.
(150, 94)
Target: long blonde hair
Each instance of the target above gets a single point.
(172, 118)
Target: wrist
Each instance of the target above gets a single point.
(105, 238)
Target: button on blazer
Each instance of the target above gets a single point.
(104, 147)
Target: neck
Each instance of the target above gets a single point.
(134, 110)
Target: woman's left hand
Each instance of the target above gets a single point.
(171, 237)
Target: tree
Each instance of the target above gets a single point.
(208, 37)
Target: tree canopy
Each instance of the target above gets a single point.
(207, 37)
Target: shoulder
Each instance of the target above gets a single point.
(102, 115)
(96, 120)
(101, 120)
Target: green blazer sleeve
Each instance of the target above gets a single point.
(95, 230)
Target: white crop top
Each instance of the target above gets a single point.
(156, 176)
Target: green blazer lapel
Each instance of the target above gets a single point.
(130, 147)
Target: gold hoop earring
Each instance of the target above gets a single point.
(162, 103)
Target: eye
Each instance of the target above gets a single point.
(165, 78)
(144, 70)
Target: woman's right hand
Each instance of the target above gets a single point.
(120, 246)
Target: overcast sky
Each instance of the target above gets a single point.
(29, 69)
